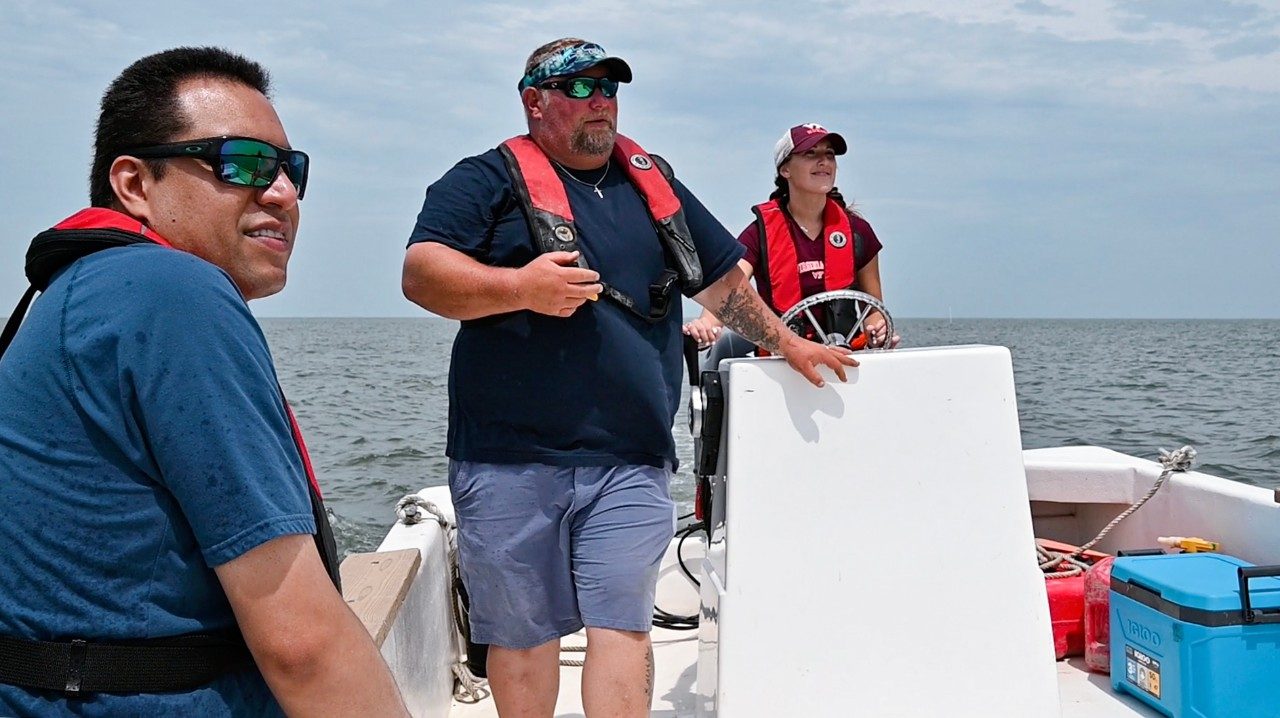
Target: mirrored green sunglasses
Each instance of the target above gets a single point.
(580, 88)
(239, 161)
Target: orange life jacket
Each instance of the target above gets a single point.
(541, 192)
(778, 253)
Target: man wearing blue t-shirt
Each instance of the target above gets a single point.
(562, 252)
(163, 535)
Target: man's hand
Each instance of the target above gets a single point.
(805, 356)
(443, 280)
(553, 284)
(705, 329)
(736, 304)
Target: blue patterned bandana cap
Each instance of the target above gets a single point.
(574, 59)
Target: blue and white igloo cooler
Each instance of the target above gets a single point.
(1197, 634)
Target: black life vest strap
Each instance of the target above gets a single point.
(660, 294)
(52, 250)
(325, 543)
(158, 665)
(15, 319)
(665, 288)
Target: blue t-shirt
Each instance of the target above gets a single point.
(599, 388)
(143, 441)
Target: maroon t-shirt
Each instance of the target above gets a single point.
(809, 253)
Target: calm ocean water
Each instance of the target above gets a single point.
(371, 395)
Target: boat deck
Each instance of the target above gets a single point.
(1074, 492)
(675, 655)
(1083, 694)
(1089, 695)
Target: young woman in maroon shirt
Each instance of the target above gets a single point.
(807, 205)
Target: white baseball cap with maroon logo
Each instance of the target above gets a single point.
(803, 137)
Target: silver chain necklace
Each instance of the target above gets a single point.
(593, 185)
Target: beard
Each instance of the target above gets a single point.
(598, 141)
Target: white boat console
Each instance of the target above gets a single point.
(872, 549)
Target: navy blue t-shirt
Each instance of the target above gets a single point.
(599, 388)
(143, 441)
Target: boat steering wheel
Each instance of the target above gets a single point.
(841, 308)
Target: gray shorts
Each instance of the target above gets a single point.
(545, 550)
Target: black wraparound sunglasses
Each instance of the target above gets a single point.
(239, 161)
(580, 88)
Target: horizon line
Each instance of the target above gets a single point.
(912, 318)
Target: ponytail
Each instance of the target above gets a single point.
(781, 191)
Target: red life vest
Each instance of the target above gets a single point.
(542, 195)
(103, 218)
(778, 253)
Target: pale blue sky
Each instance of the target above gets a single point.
(1042, 158)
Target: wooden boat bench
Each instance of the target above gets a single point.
(375, 585)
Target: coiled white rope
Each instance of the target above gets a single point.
(1050, 563)
(1178, 460)
(470, 688)
(411, 509)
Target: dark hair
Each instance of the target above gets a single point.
(140, 107)
(782, 193)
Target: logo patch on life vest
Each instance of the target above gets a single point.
(838, 240)
(564, 233)
(641, 162)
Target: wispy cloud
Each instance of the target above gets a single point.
(1008, 152)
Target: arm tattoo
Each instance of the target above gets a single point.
(648, 675)
(745, 313)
